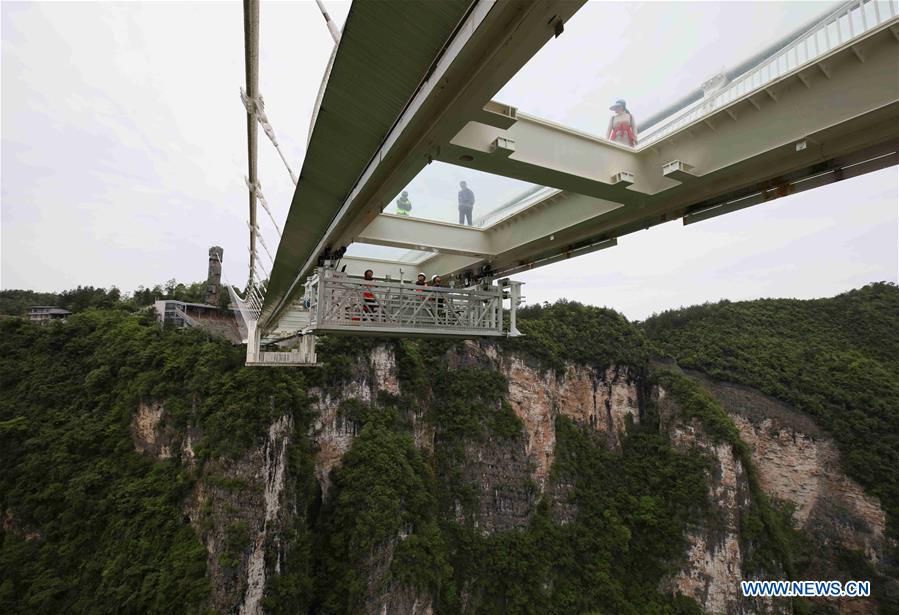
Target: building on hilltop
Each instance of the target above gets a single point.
(44, 313)
(181, 313)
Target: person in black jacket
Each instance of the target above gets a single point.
(466, 204)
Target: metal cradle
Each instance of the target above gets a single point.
(338, 303)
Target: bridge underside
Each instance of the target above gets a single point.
(828, 119)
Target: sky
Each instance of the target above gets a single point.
(124, 149)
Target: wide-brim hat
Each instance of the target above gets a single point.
(618, 103)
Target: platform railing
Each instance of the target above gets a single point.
(340, 303)
(849, 22)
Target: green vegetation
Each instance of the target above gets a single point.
(626, 535)
(834, 359)
(382, 487)
(573, 332)
(88, 524)
(632, 506)
(767, 533)
(16, 302)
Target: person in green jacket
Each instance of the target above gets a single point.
(403, 204)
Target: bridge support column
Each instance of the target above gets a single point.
(252, 342)
(515, 300)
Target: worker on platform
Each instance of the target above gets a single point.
(439, 303)
(422, 280)
(403, 204)
(622, 128)
(466, 204)
(370, 305)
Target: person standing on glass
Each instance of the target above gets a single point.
(403, 204)
(466, 204)
(622, 128)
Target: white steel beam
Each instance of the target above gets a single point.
(548, 154)
(426, 235)
(541, 222)
(844, 146)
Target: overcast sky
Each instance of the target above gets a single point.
(124, 149)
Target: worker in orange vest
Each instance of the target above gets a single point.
(622, 128)
(403, 204)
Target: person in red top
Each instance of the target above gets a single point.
(622, 128)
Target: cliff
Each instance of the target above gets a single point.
(564, 472)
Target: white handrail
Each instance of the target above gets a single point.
(771, 69)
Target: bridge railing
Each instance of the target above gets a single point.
(340, 303)
(852, 20)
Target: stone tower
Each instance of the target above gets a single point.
(214, 278)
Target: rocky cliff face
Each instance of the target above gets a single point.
(241, 510)
(604, 401)
(714, 564)
(799, 464)
(237, 508)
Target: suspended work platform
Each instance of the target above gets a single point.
(340, 304)
(336, 303)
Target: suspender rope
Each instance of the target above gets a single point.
(261, 240)
(261, 270)
(264, 246)
(256, 107)
(262, 201)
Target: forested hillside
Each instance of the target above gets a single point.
(15, 302)
(835, 359)
(88, 524)
(547, 474)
